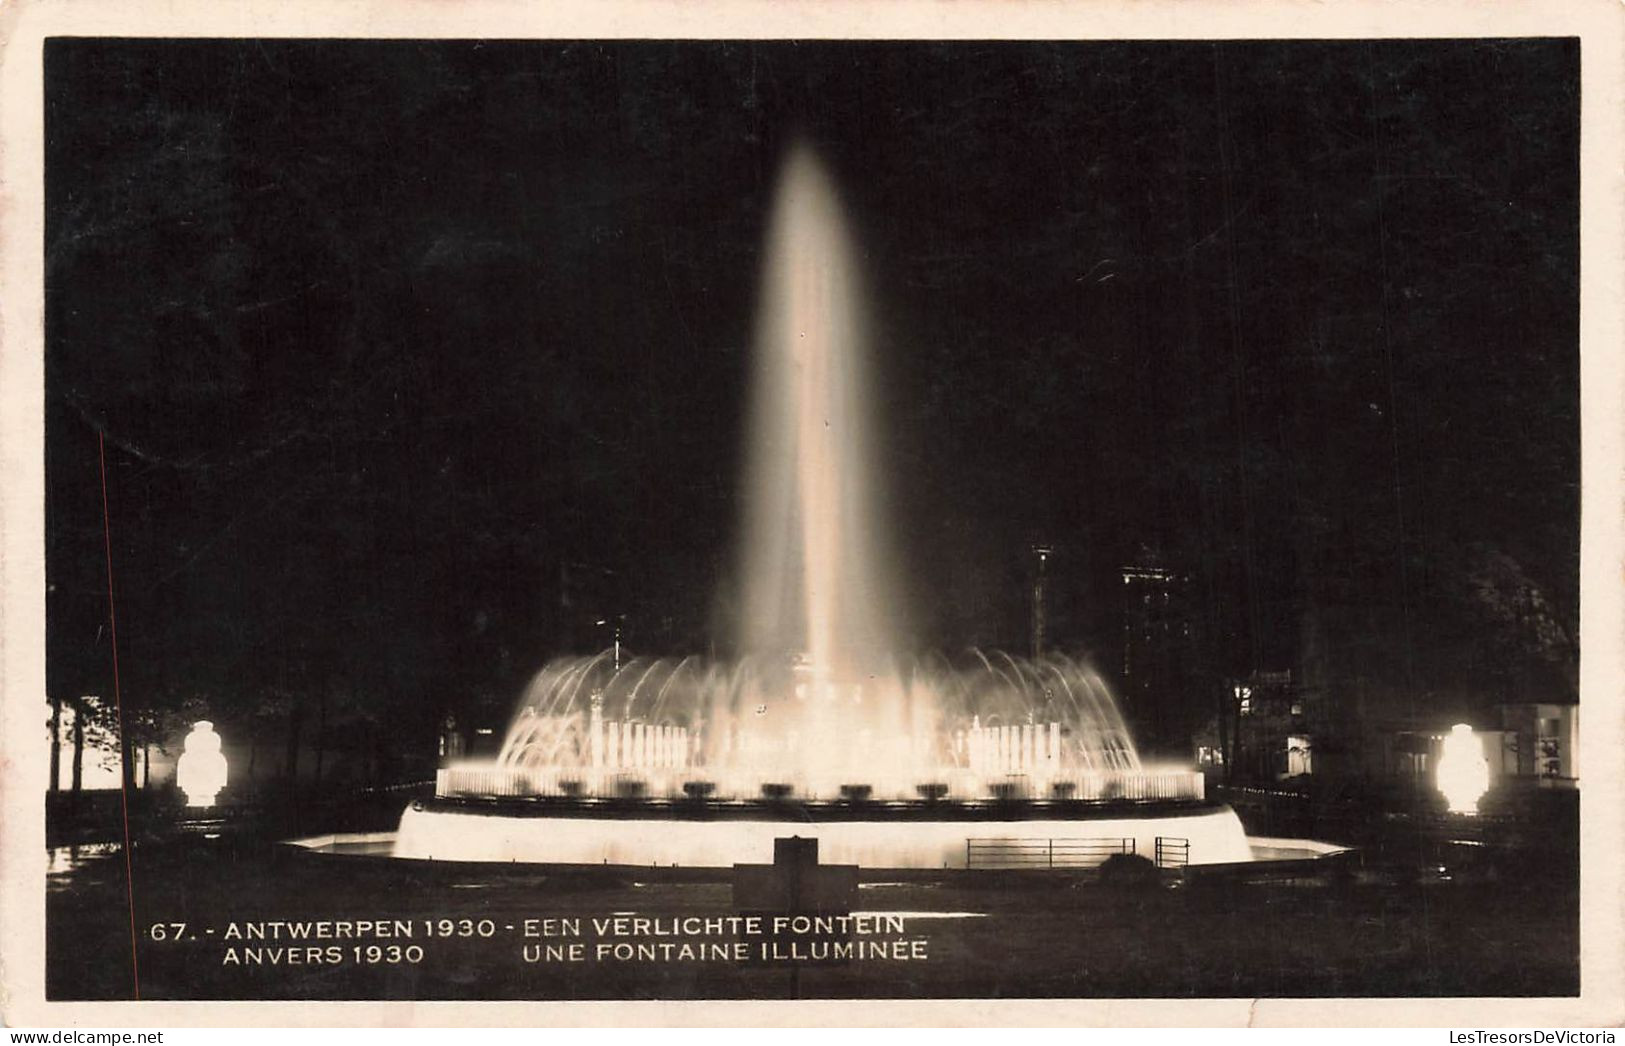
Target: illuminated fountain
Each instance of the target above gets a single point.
(818, 723)
(668, 728)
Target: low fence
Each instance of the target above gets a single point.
(1044, 853)
(1169, 852)
(1172, 852)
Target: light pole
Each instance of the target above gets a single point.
(1042, 551)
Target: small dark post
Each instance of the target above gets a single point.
(795, 884)
(793, 856)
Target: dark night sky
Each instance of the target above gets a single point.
(393, 344)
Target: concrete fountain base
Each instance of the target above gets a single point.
(876, 836)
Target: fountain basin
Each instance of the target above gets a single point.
(917, 835)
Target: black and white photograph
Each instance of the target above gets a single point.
(611, 519)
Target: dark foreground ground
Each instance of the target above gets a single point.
(1492, 924)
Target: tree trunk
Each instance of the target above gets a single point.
(321, 735)
(126, 759)
(56, 744)
(296, 723)
(146, 765)
(78, 747)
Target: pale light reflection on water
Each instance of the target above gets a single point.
(873, 914)
(922, 915)
(68, 858)
(62, 861)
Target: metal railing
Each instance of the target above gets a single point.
(1044, 853)
(1172, 852)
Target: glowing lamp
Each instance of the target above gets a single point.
(1463, 775)
(201, 770)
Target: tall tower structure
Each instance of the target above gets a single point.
(1040, 623)
(1160, 692)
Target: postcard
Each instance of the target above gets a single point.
(977, 511)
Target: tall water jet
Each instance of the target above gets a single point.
(814, 579)
(814, 574)
(820, 704)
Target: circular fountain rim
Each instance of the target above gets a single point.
(797, 810)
